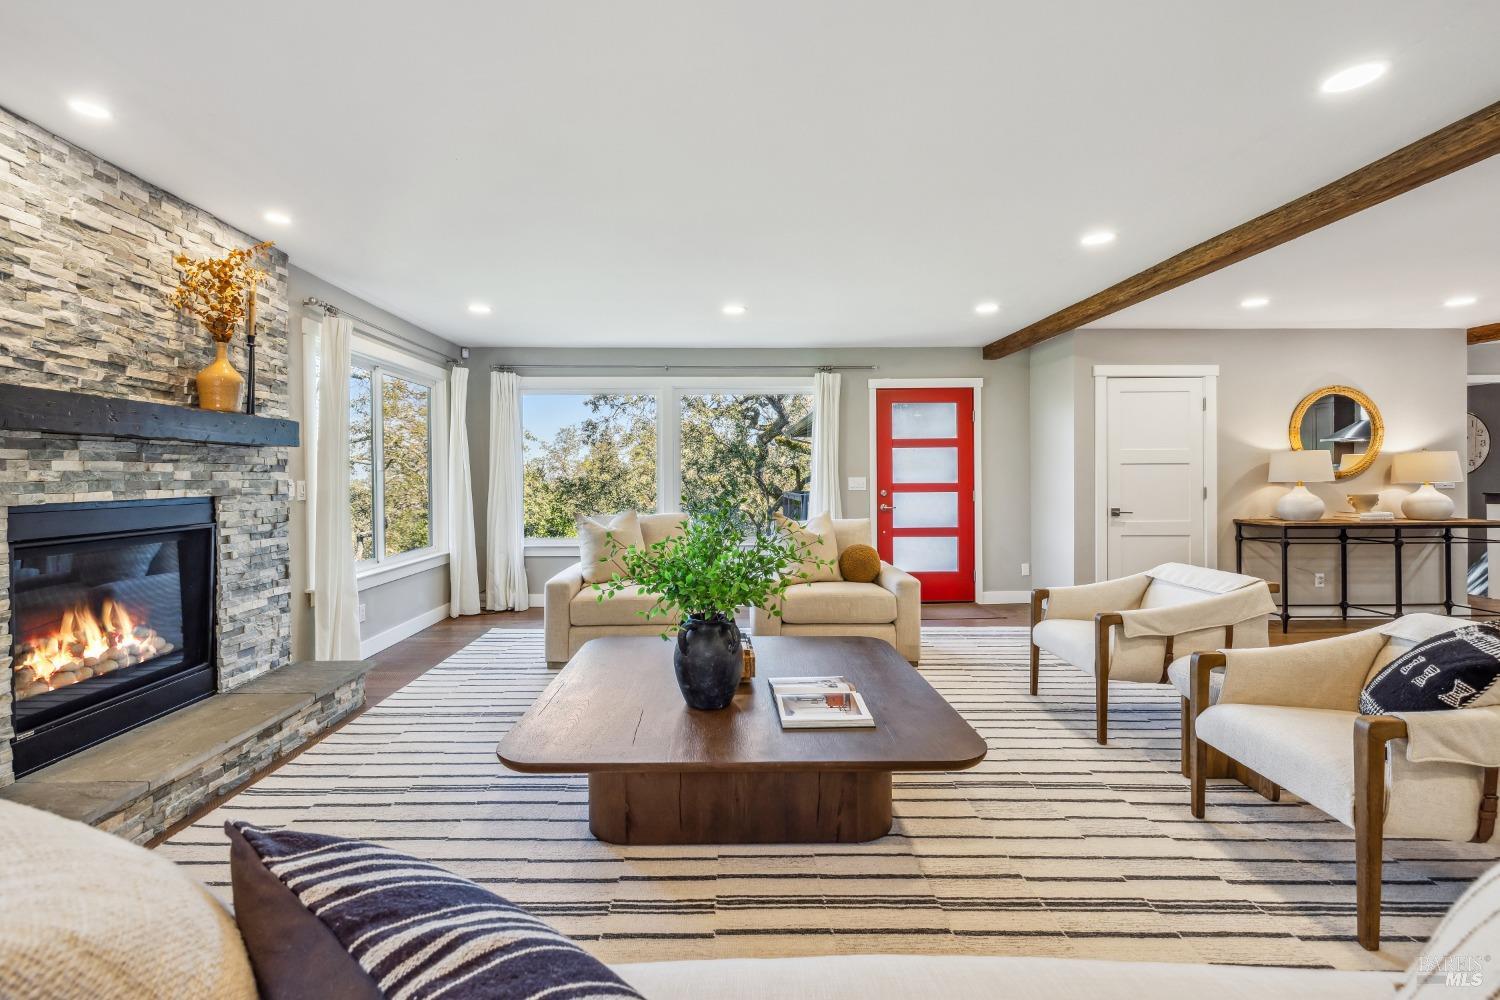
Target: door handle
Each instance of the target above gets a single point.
(1116, 512)
(886, 506)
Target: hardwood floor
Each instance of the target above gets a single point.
(398, 666)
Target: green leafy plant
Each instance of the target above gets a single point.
(717, 565)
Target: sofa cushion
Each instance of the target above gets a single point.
(970, 977)
(86, 914)
(659, 527)
(838, 603)
(849, 531)
(822, 562)
(859, 564)
(599, 559)
(1459, 668)
(625, 608)
(412, 928)
(1309, 751)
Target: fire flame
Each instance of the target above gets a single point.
(112, 629)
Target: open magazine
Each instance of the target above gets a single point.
(819, 703)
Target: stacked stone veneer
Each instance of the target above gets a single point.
(85, 270)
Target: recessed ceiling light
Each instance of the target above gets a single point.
(986, 308)
(88, 108)
(1459, 301)
(479, 309)
(1254, 302)
(276, 218)
(1097, 238)
(734, 309)
(1354, 77)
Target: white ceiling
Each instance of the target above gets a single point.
(857, 171)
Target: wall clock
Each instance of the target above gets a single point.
(1479, 442)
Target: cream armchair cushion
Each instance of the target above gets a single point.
(601, 541)
(822, 562)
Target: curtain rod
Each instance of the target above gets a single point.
(391, 339)
(688, 368)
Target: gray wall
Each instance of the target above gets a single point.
(388, 605)
(1415, 377)
(1053, 417)
(1004, 422)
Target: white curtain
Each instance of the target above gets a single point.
(825, 449)
(505, 563)
(335, 597)
(463, 558)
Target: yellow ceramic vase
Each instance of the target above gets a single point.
(219, 385)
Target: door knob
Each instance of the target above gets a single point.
(1116, 512)
(886, 506)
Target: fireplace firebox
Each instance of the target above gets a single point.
(112, 619)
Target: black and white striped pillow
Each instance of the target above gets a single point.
(417, 931)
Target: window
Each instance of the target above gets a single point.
(657, 445)
(585, 454)
(391, 468)
(752, 448)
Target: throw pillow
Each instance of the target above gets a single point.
(1457, 669)
(859, 563)
(600, 560)
(823, 548)
(363, 921)
(84, 913)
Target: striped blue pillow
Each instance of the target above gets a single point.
(423, 933)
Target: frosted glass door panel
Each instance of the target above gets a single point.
(925, 555)
(924, 465)
(924, 420)
(924, 510)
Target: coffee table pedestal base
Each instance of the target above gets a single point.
(739, 807)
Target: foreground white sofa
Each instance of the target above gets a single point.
(954, 977)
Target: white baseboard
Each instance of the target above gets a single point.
(383, 640)
(1004, 596)
(536, 599)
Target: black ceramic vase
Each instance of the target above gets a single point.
(709, 661)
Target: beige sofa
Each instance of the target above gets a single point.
(574, 614)
(889, 609)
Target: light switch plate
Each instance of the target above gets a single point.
(857, 484)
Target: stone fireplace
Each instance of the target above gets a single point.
(115, 489)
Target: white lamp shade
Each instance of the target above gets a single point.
(1301, 467)
(1426, 467)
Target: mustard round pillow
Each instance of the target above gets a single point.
(859, 564)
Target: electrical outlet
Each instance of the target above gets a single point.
(361, 611)
(1320, 579)
(1026, 569)
(857, 484)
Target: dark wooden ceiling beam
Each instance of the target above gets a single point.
(1445, 151)
(1484, 334)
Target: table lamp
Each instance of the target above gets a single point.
(1427, 467)
(1299, 503)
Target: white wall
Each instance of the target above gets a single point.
(1054, 496)
(1416, 378)
(1005, 443)
(391, 608)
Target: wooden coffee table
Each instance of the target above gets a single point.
(662, 773)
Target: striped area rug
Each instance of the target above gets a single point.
(1052, 846)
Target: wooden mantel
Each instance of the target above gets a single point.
(56, 411)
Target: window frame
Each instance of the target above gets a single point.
(668, 391)
(381, 359)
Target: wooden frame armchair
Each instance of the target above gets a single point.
(1288, 717)
(1135, 628)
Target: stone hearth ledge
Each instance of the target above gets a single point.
(141, 783)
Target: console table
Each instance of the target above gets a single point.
(1345, 532)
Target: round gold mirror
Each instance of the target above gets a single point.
(1342, 421)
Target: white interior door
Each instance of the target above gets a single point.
(1155, 483)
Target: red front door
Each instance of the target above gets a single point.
(924, 487)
